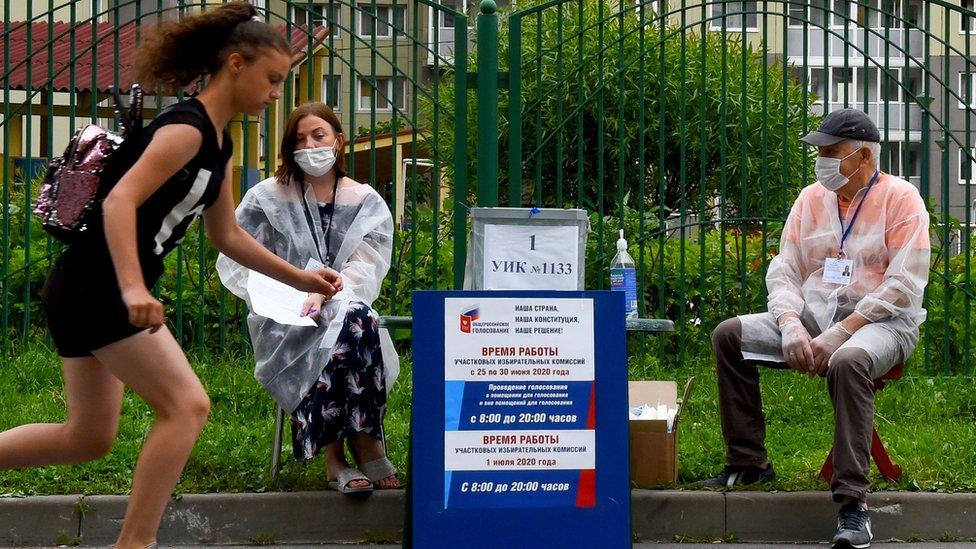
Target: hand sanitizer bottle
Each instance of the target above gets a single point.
(623, 276)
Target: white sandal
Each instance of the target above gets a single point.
(348, 476)
(378, 469)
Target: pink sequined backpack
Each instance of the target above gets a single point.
(74, 182)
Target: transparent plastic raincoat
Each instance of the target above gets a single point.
(289, 359)
(889, 245)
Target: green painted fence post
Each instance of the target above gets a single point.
(460, 149)
(488, 104)
(515, 110)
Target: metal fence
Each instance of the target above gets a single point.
(680, 122)
(380, 67)
(677, 121)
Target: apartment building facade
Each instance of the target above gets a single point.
(907, 63)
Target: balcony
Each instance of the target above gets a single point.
(891, 119)
(898, 41)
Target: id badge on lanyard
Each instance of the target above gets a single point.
(840, 270)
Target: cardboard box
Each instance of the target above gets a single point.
(654, 450)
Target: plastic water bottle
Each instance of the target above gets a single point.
(623, 276)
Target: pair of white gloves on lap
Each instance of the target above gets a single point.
(806, 354)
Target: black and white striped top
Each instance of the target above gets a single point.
(163, 219)
(166, 215)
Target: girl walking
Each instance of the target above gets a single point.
(108, 328)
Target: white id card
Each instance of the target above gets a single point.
(838, 271)
(313, 264)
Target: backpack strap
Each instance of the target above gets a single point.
(135, 107)
(130, 119)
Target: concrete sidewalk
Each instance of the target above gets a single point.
(643, 545)
(328, 517)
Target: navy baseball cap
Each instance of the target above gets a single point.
(843, 124)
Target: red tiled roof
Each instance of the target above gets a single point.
(105, 47)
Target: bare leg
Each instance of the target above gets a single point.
(367, 449)
(94, 399)
(154, 366)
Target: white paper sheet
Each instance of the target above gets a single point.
(531, 257)
(314, 264)
(277, 300)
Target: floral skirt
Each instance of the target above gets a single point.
(350, 395)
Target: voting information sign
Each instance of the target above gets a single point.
(529, 257)
(527, 249)
(519, 414)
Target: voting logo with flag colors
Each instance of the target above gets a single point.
(468, 316)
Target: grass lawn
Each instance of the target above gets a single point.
(929, 425)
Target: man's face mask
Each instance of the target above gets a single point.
(828, 171)
(316, 161)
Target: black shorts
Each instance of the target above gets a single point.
(84, 306)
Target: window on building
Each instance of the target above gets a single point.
(903, 159)
(446, 18)
(966, 89)
(817, 12)
(329, 15)
(912, 160)
(332, 90)
(967, 167)
(885, 14)
(121, 12)
(892, 14)
(874, 85)
(798, 75)
(382, 94)
(915, 82)
(872, 13)
(914, 15)
(798, 12)
(842, 85)
(890, 89)
(848, 13)
(838, 85)
(891, 158)
(818, 84)
(383, 21)
(733, 14)
(965, 21)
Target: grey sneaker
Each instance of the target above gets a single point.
(853, 528)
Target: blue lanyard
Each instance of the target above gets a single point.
(846, 232)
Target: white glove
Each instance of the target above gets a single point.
(826, 343)
(796, 345)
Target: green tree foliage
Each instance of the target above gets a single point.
(618, 108)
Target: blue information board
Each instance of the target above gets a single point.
(519, 420)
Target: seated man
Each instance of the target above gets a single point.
(845, 302)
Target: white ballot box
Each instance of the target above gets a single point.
(527, 249)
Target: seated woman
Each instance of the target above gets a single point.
(334, 378)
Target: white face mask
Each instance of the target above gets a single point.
(317, 161)
(828, 172)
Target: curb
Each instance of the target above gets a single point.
(329, 517)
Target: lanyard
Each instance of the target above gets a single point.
(844, 233)
(328, 228)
